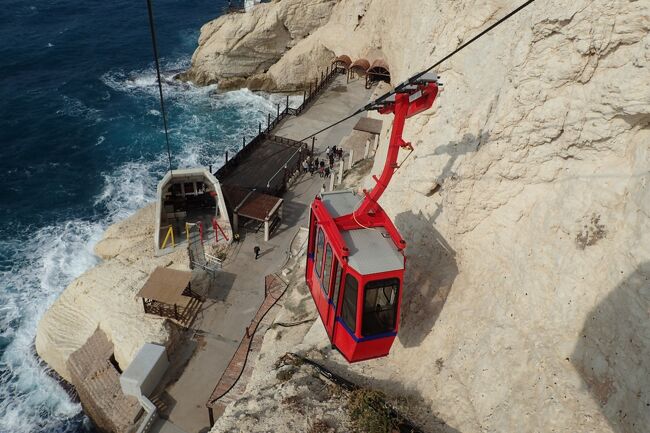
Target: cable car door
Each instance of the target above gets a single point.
(334, 297)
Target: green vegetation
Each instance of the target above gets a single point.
(369, 412)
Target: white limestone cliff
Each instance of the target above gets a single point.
(105, 297)
(527, 300)
(236, 50)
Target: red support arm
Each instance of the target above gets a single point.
(403, 108)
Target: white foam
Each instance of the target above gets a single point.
(49, 260)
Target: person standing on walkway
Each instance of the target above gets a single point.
(257, 252)
(305, 166)
(328, 151)
(331, 160)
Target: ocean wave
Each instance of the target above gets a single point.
(40, 266)
(74, 107)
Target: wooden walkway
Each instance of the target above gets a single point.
(233, 382)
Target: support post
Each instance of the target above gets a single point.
(259, 130)
(351, 161)
(211, 416)
(266, 230)
(235, 222)
(226, 157)
(331, 181)
(243, 141)
(366, 151)
(278, 107)
(268, 122)
(340, 173)
(304, 96)
(376, 142)
(287, 105)
(313, 140)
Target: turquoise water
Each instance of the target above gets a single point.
(82, 147)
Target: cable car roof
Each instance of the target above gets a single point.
(339, 203)
(372, 251)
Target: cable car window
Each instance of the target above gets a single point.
(336, 283)
(327, 270)
(380, 306)
(318, 260)
(349, 309)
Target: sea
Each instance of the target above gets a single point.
(81, 147)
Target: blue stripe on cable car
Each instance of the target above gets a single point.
(370, 337)
(310, 256)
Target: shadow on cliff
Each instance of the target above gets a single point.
(468, 144)
(613, 353)
(430, 271)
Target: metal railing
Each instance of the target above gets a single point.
(315, 88)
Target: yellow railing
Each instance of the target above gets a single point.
(170, 233)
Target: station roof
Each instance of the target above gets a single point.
(372, 250)
(366, 124)
(166, 285)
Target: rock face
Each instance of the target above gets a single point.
(527, 300)
(237, 50)
(104, 298)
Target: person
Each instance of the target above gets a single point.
(331, 159)
(312, 168)
(340, 153)
(305, 166)
(321, 171)
(334, 151)
(328, 151)
(257, 251)
(327, 172)
(322, 189)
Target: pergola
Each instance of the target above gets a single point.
(168, 293)
(254, 205)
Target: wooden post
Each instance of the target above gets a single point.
(226, 156)
(211, 416)
(243, 141)
(341, 165)
(313, 140)
(259, 130)
(287, 109)
(278, 107)
(304, 95)
(268, 122)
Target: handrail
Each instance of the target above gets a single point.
(327, 78)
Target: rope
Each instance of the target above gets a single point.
(421, 73)
(160, 91)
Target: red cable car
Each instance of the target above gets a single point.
(355, 255)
